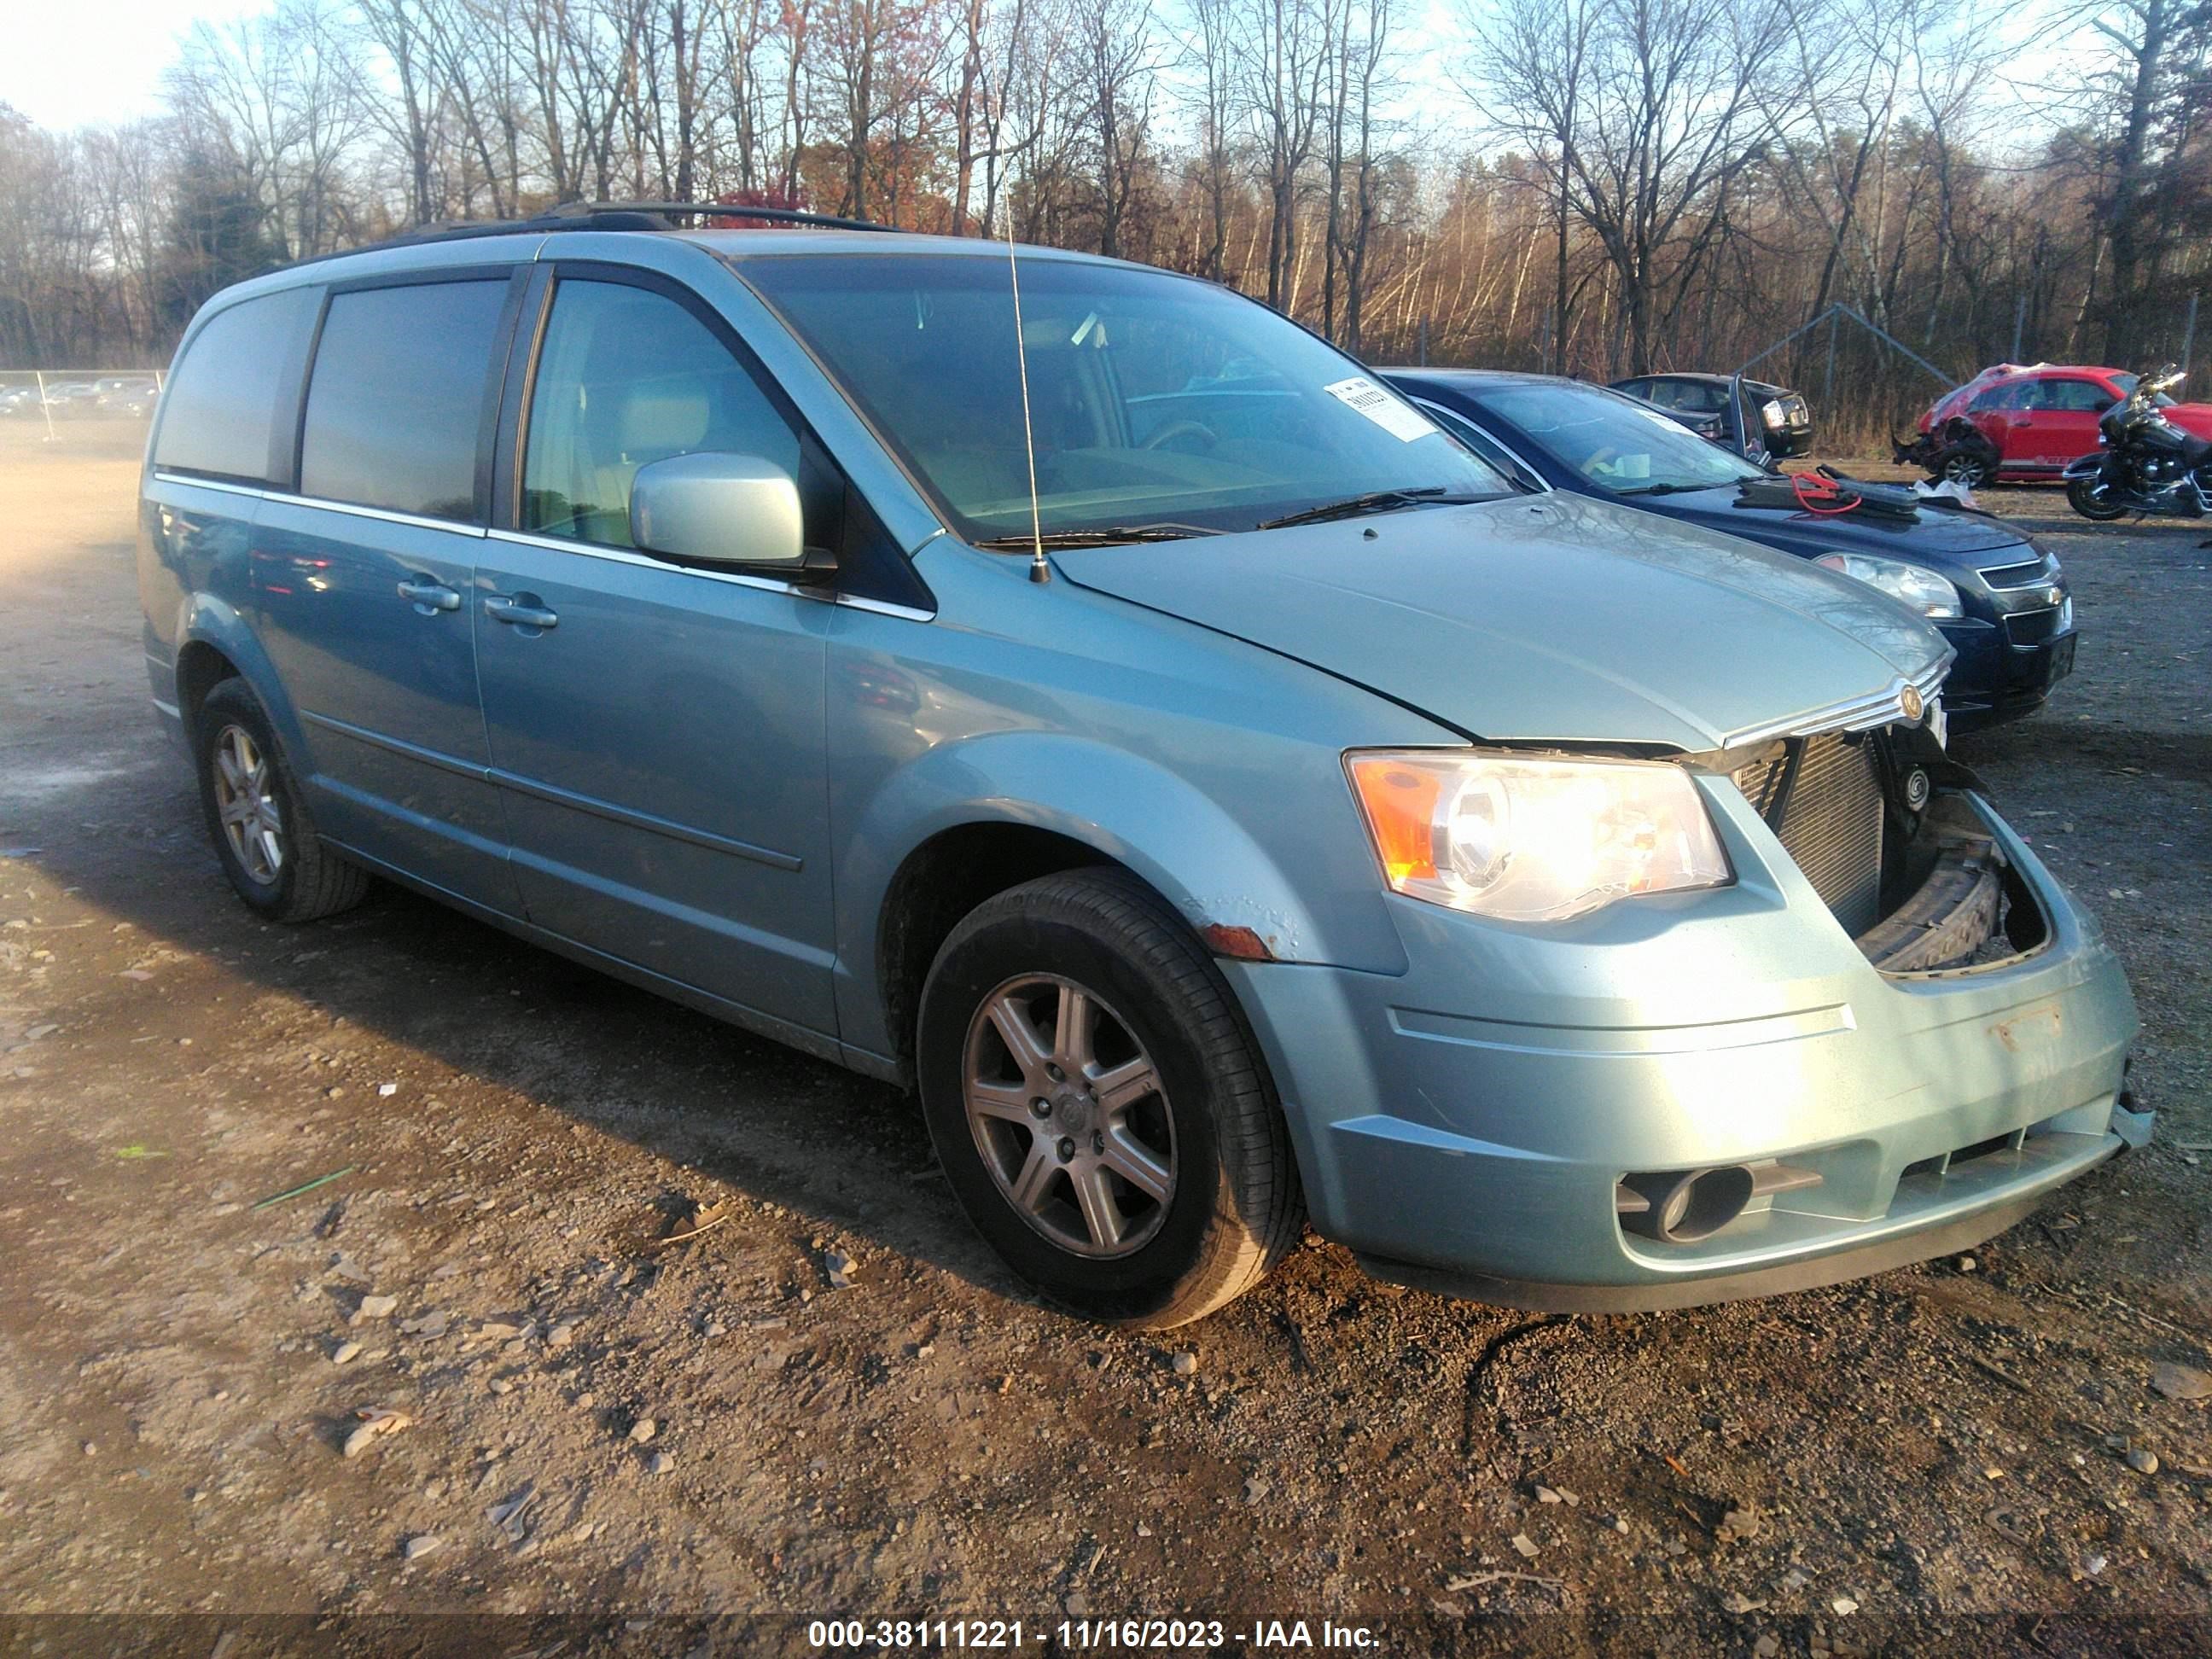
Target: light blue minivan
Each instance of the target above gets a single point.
(1076, 692)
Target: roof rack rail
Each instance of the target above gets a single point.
(593, 210)
(598, 215)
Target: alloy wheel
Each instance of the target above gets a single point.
(1070, 1115)
(246, 804)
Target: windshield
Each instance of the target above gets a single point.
(1614, 441)
(1157, 400)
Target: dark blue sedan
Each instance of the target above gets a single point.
(1998, 598)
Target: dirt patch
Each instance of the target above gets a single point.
(179, 1370)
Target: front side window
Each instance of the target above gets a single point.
(2076, 396)
(398, 395)
(627, 377)
(222, 408)
(1156, 400)
(2008, 395)
(1614, 443)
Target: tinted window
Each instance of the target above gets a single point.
(397, 394)
(627, 376)
(1698, 396)
(222, 408)
(2011, 395)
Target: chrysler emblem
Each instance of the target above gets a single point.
(1910, 703)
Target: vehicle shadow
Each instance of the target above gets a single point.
(496, 1013)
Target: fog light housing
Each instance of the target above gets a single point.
(1681, 1206)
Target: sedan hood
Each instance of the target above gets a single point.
(1936, 536)
(1939, 536)
(1553, 620)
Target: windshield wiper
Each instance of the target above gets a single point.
(1663, 489)
(1106, 536)
(1377, 501)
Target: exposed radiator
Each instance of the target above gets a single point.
(1831, 822)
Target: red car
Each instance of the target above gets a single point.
(2038, 419)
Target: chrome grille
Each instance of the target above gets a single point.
(1831, 822)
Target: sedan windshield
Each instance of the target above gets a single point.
(1158, 402)
(1614, 441)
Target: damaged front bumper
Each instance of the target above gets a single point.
(1504, 1120)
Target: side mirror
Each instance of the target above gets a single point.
(718, 509)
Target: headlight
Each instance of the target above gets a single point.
(1772, 412)
(1930, 594)
(1532, 840)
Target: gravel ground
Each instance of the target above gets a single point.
(594, 1423)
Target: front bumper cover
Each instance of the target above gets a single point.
(1483, 1152)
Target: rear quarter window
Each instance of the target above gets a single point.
(397, 396)
(220, 416)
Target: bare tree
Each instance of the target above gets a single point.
(1284, 49)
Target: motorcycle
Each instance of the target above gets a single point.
(2143, 463)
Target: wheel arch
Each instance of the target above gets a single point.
(972, 819)
(940, 882)
(201, 666)
(213, 644)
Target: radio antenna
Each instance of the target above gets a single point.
(1040, 571)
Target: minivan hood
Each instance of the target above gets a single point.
(1553, 620)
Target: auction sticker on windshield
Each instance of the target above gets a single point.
(1399, 419)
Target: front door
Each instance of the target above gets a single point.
(362, 579)
(2059, 424)
(1998, 413)
(656, 731)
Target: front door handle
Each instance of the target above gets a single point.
(428, 596)
(518, 611)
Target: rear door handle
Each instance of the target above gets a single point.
(518, 612)
(428, 596)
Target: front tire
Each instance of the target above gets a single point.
(2082, 496)
(1964, 467)
(264, 835)
(1099, 1107)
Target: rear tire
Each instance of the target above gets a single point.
(1072, 1034)
(2081, 496)
(258, 818)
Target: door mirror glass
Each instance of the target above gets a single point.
(718, 509)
